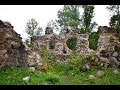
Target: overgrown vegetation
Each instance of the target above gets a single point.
(71, 16)
(58, 74)
(93, 40)
(115, 17)
(32, 30)
(55, 73)
(52, 45)
(13, 76)
(71, 43)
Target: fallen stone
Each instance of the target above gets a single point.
(31, 69)
(104, 60)
(5, 56)
(113, 62)
(3, 51)
(115, 71)
(91, 77)
(115, 54)
(100, 73)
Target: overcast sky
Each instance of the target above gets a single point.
(18, 15)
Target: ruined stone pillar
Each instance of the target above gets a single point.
(82, 44)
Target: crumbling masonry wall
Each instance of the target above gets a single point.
(108, 49)
(12, 50)
(107, 39)
(61, 48)
(14, 53)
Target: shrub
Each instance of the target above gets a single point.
(71, 43)
(52, 45)
(75, 61)
(48, 57)
(93, 40)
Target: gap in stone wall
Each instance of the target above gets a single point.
(51, 44)
(71, 43)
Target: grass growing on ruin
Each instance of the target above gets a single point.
(58, 74)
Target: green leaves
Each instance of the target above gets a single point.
(114, 8)
(87, 18)
(71, 43)
(32, 28)
(93, 40)
(115, 18)
(53, 24)
(69, 16)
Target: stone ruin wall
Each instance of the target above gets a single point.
(12, 50)
(61, 48)
(107, 39)
(108, 49)
(83, 44)
(107, 42)
(14, 53)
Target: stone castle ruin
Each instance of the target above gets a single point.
(59, 43)
(107, 53)
(108, 44)
(13, 51)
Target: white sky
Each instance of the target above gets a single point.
(18, 15)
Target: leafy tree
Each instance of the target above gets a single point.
(69, 16)
(115, 9)
(53, 24)
(32, 28)
(87, 25)
(93, 40)
(115, 18)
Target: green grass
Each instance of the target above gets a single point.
(13, 76)
(58, 74)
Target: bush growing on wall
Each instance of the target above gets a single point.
(47, 56)
(71, 43)
(93, 40)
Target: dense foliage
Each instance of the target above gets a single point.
(115, 18)
(58, 74)
(71, 43)
(32, 28)
(70, 16)
(87, 25)
(93, 40)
